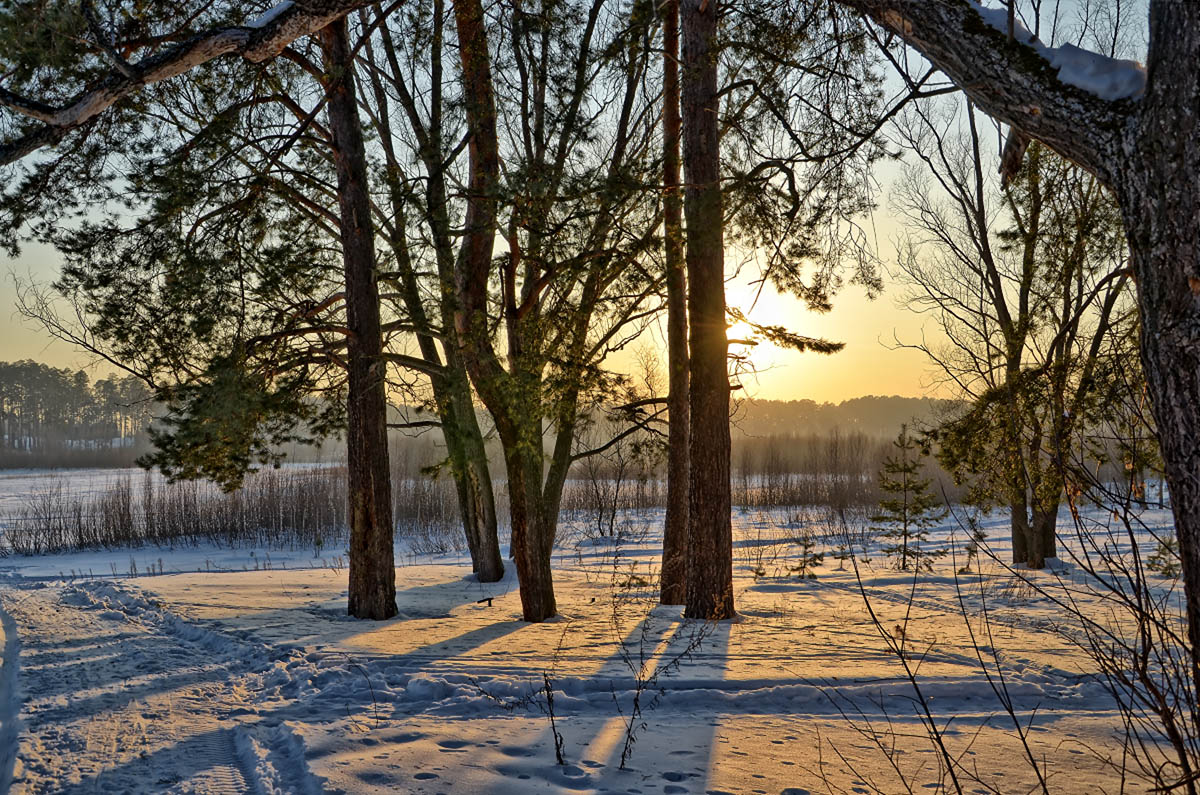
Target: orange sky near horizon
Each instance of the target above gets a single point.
(870, 364)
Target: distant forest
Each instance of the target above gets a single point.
(875, 416)
(51, 417)
(58, 417)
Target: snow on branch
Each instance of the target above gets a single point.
(269, 16)
(1107, 78)
(258, 41)
(1074, 101)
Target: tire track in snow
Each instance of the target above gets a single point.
(221, 768)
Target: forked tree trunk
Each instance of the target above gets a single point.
(472, 475)
(710, 538)
(532, 530)
(372, 591)
(673, 580)
(515, 406)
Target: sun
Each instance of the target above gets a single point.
(740, 332)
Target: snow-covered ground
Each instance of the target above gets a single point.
(237, 671)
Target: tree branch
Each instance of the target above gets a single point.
(257, 41)
(1010, 79)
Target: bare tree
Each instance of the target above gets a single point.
(1139, 137)
(1025, 282)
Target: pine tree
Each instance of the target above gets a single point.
(907, 514)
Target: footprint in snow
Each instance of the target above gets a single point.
(405, 737)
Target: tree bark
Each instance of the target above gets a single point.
(1158, 187)
(1019, 526)
(372, 591)
(1044, 528)
(532, 530)
(710, 536)
(472, 478)
(255, 43)
(673, 579)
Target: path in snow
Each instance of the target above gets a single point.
(111, 704)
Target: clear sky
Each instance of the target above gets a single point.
(20, 338)
(870, 364)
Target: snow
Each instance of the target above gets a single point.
(9, 706)
(269, 16)
(248, 680)
(1108, 78)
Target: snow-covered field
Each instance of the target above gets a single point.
(236, 671)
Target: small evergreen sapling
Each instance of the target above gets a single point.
(809, 558)
(909, 510)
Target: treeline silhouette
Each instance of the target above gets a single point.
(55, 417)
(799, 452)
(872, 415)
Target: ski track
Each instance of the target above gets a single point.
(120, 695)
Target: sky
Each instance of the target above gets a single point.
(870, 364)
(21, 338)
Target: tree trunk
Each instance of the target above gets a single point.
(532, 534)
(710, 537)
(1035, 554)
(469, 467)
(1018, 510)
(673, 579)
(1159, 192)
(476, 502)
(1045, 528)
(372, 592)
